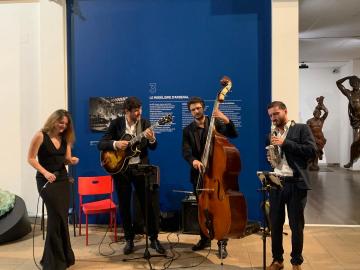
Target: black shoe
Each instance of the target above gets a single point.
(347, 166)
(155, 244)
(129, 247)
(222, 252)
(70, 263)
(203, 243)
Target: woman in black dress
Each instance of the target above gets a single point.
(49, 152)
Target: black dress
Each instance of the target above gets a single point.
(58, 254)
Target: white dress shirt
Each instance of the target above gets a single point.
(283, 167)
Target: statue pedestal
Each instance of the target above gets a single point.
(15, 224)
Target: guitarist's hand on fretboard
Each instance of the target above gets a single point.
(121, 145)
(149, 134)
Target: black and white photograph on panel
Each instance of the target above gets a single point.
(104, 109)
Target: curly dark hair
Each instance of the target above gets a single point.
(132, 103)
(194, 100)
(276, 103)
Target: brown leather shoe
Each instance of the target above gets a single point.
(296, 267)
(275, 266)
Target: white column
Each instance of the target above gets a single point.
(285, 54)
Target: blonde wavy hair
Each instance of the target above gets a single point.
(56, 116)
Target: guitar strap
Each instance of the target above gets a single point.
(138, 127)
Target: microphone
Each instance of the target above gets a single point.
(273, 151)
(56, 173)
(275, 134)
(277, 147)
(44, 186)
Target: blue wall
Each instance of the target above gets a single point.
(119, 47)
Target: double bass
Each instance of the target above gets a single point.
(222, 211)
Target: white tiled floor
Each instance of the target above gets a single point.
(335, 248)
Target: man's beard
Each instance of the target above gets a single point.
(199, 117)
(136, 118)
(280, 123)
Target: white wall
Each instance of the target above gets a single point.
(315, 82)
(32, 84)
(10, 47)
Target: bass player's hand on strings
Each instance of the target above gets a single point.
(198, 165)
(220, 115)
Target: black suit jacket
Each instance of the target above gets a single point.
(299, 147)
(117, 130)
(191, 145)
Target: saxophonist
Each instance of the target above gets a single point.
(292, 146)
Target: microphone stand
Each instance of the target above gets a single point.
(146, 171)
(268, 180)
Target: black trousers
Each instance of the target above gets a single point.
(124, 182)
(295, 200)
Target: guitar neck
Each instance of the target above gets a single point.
(138, 137)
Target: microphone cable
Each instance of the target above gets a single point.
(176, 256)
(107, 230)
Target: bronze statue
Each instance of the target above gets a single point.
(354, 114)
(316, 123)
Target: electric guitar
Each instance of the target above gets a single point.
(115, 161)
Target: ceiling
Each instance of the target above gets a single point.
(329, 31)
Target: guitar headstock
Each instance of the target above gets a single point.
(227, 84)
(165, 120)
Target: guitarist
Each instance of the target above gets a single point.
(132, 124)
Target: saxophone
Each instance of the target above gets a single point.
(273, 151)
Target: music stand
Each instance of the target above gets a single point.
(268, 181)
(147, 171)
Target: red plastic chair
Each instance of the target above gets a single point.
(96, 185)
